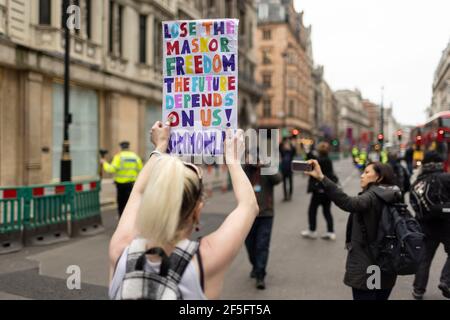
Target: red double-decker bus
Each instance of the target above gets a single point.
(434, 135)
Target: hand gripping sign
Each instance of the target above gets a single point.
(200, 86)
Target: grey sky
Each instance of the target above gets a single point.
(366, 44)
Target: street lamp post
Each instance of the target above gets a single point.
(382, 115)
(66, 161)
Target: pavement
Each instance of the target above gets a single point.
(298, 268)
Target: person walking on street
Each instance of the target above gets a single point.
(258, 240)
(125, 166)
(430, 199)
(287, 153)
(162, 214)
(378, 187)
(402, 176)
(409, 159)
(320, 198)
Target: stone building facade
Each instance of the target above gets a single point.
(284, 68)
(353, 120)
(325, 117)
(116, 81)
(441, 85)
(373, 115)
(250, 92)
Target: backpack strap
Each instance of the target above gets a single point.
(165, 262)
(136, 249)
(180, 259)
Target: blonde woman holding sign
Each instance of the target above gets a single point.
(160, 217)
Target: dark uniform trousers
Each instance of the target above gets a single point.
(123, 193)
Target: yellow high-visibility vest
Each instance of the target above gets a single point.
(362, 158)
(384, 157)
(126, 166)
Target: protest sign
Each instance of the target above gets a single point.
(200, 86)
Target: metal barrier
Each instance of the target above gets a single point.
(46, 220)
(11, 219)
(46, 214)
(85, 216)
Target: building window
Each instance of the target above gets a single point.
(263, 11)
(143, 39)
(266, 56)
(267, 108)
(291, 107)
(267, 34)
(76, 3)
(115, 28)
(267, 80)
(242, 22)
(291, 58)
(88, 10)
(157, 42)
(45, 12)
(251, 70)
(292, 81)
(84, 130)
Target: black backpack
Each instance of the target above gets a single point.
(398, 247)
(430, 198)
(139, 284)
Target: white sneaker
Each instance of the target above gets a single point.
(329, 236)
(309, 234)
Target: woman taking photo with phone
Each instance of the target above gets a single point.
(163, 211)
(378, 185)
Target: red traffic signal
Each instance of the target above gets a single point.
(419, 140)
(380, 137)
(295, 132)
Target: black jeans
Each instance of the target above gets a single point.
(287, 179)
(123, 193)
(381, 294)
(432, 242)
(320, 199)
(258, 243)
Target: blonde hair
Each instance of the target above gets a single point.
(170, 197)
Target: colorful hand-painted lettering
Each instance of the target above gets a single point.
(200, 88)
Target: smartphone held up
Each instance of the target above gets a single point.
(298, 165)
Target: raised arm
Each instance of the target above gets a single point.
(126, 230)
(221, 247)
(359, 203)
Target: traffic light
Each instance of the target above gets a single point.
(419, 140)
(440, 135)
(295, 132)
(381, 138)
(335, 142)
(399, 135)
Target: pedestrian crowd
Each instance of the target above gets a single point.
(154, 253)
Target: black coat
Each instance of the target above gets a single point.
(266, 183)
(287, 156)
(326, 165)
(366, 206)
